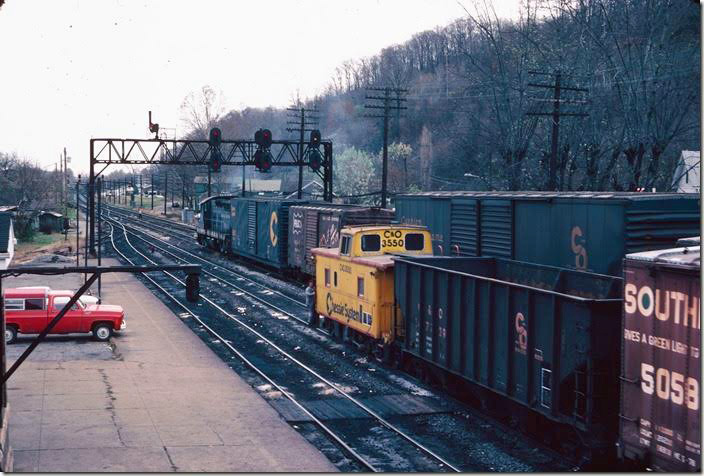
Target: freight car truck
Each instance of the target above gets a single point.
(660, 418)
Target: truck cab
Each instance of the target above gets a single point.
(29, 311)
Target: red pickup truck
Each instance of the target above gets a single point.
(29, 310)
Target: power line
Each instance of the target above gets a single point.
(556, 114)
(301, 121)
(387, 107)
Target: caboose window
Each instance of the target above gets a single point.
(360, 287)
(334, 277)
(414, 241)
(327, 277)
(345, 246)
(371, 243)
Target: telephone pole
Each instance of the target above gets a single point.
(302, 122)
(387, 107)
(557, 88)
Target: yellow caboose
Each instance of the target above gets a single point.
(355, 282)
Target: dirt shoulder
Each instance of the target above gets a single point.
(53, 244)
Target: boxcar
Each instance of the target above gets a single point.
(660, 419)
(545, 338)
(214, 226)
(318, 225)
(260, 229)
(591, 231)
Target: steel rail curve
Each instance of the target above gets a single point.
(220, 267)
(241, 356)
(332, 385)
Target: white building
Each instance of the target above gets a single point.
(686, 178)
(7, 240)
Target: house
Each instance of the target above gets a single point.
(50, 222)
(310, 190)
(7, 240)
(232, 184)
(686, 177)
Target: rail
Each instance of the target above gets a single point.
(308, 369)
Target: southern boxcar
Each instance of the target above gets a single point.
(545, 338)
(590, 231)
(318, 225)
(660, 420)
(355, 281)
(214, 226)
(260, 229)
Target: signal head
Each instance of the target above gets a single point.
(215, 160)
(263, 138)
(263, 160)
(315, 138)
(215, 137)
(315, 159)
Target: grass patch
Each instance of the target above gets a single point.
(39, 240)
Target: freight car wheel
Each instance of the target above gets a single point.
(10, 334)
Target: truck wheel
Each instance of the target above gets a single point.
(10, 334)
(102, 332)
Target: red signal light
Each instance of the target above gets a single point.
(215, 137)
(315, 160)
(262, 160)
(263, 138)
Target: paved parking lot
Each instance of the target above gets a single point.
(155, 399)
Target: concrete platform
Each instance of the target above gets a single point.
(156, 399)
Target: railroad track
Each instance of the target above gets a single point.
(245, 269)
(501, 440)
(425, 459)
(245, 283)
(167, 226)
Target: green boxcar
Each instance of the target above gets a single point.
(542, 336)
(260, 229)
(590, 231)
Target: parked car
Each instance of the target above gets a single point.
(28, 311)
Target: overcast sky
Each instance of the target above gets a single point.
(76, 69)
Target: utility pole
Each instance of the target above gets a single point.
(151, 189)
(209, 194)
(78, 221)
(299, 113)
(100, 241)
(387, 108)
(557, 88)
(166, 186)
(63, 182)
(141, 192)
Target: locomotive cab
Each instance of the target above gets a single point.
(355, 282)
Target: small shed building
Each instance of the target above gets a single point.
(50, 222)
